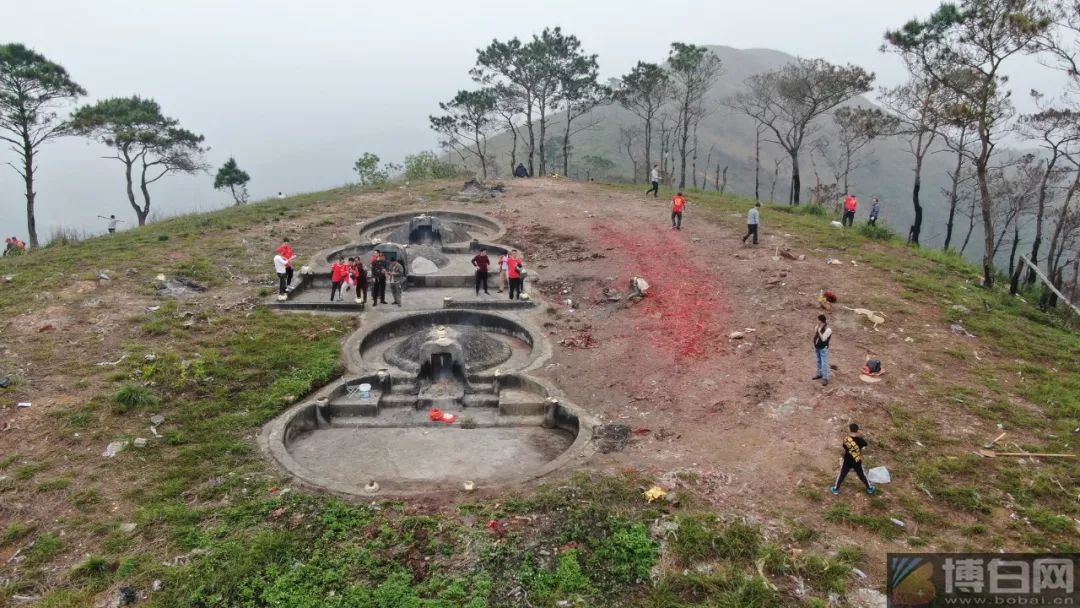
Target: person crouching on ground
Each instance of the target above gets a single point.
(286, 250)
(395, 277)
(677, 204)
(822, 335)
(513, 273)
(339, 271)
(753, 218)
(854, 445)
(481, 261)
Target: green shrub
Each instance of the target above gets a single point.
(625, 557)
(14, 532)
(877, 233)
(426, 165)
(132, 396)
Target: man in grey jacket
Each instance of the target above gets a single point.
(395, 277)
(753, 218)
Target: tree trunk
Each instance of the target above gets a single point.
(28, 178)
(954, 198)
(543, 135)
(916, 227)
(694, 160)
(513, 146)
(145, 211)
(717, 180)
(236, 197)
(796, 184)
(566, 147)
(1015, 245)
(648, 150)
(757, 164)
(683, 152)
(477, 139)
(988, 220)
(1035, 244)
(723, 181)
(532, 136)
(128, 164)
(971, 227)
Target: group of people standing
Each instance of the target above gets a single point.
(851, 204)
(511, 272)
(350, 274)
(15, 246)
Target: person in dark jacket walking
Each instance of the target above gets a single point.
(854, 445)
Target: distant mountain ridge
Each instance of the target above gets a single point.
(887, 172)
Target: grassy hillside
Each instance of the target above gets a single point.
(200, 519)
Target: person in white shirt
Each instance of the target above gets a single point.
(281, 268)
(753, 218)
(654, 178)
(112, 222)
(280, 195)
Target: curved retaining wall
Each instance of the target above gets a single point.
(495, 229)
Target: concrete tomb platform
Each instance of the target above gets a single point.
(446, 348)
(354, 456)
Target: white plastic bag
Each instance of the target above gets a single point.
(878, 475)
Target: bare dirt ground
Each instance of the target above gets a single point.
(740, 416)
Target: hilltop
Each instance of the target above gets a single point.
(732, 426)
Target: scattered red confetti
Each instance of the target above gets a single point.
(686, 308)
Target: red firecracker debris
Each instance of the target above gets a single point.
(684, 314)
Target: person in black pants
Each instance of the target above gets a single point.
(514, 272)
(654, 180)
(481, 263)
(378, 279)
(854, 444)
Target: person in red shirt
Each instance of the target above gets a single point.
(850, 205)
(481, 262)
(339, 270)
(677, 204)
(286, 251)
(514, 274)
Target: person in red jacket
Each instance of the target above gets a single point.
(514, 274)
(850, 205)
(286, 251)
(677, 204)
(339, 270)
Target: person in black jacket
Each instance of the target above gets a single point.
(854, 445)
(822, 336)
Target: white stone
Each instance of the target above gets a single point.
(114, 448)
(422, 265)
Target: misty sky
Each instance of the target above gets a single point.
(296, 91)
